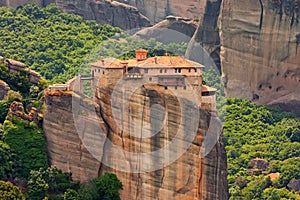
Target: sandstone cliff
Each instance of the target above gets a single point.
(157, 10)
(260, 51)
(106, 12)
(16, 3)
(4, 88)
(173, 29)
(103, 11)
(90, 131)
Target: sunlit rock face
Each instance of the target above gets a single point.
(16, 3)
(4, 88)
(157, 10)
(80, 134)
(260, 51)
(106, 12)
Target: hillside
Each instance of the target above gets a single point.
(49, 41)
(259, 62)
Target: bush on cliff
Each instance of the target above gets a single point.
(8, 191)
(26, 140)
(50, 182)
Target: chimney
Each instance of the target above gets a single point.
(102, 59)
(141, 54)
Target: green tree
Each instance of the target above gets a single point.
(108, 186)
(6, 160)
(26, 140)
(71, 195)
(8, 191)
(37, 186)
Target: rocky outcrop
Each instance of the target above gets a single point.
(260, 51)
(89, 144)
(16, 3)
(158, 10)
(106, 12)
(4, 88)
(17, 66)
(173, 29)
(103, 11)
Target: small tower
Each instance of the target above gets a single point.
(141, 54)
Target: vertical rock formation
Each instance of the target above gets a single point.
(103, 11)
(16, 3)
(106, 12)
(4, 88)
(84, 145)
(260, 51)
(207, 32)
(157, 10)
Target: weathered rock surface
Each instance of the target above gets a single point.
(260, 51)
(103, 11)
(89, 128)
(157, 10)
(4, 88)
(17, 66)
(175, 29)
(207, 33)
(16, 3)
(106, 12)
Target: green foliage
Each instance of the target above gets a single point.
(71, 195)
(8, 191)
(49, 182)
(12, 96)
(108, 187)
(27, 142)
(4, 106)
(6, 160)
(278, 194)
(17, 81)
(37, 186)
(252, 131)
(49, 41)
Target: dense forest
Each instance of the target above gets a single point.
(262, 143)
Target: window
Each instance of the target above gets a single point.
(165, 70)
(160, 71)
(146, 71)
(179, 70)
(189, 70)
(184, 87)
(166, 87)
(175, 70)
(175, 87)
(150, 79)
(195, 69)
(98, 70)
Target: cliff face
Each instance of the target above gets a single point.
(259, 53)
(103, 11)
(106, 12)
(4, 88)
(16, 3)
(85, 144)
(157, 10)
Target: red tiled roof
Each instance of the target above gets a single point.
(152, 62)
